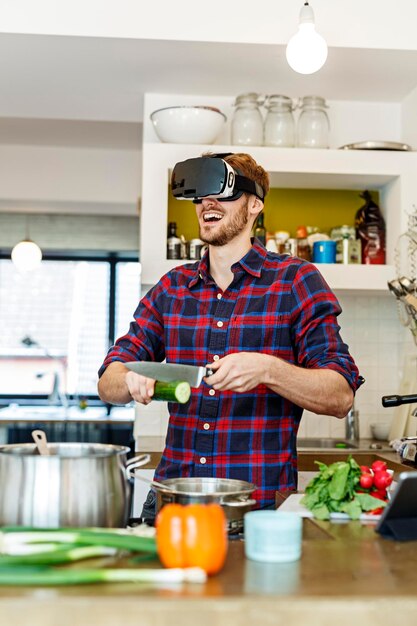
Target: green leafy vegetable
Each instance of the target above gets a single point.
(334, 490)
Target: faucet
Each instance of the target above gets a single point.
(352, 425)
(57, 396)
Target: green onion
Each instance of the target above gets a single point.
(60, 576)
(60, 555)
(120, 539)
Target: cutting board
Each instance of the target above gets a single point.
(293, 505)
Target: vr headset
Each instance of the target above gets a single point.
(198, 178)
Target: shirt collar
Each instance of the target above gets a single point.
(251, 263)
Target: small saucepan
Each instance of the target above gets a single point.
(233, 495)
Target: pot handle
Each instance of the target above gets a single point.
(135, 462)
(239, 503)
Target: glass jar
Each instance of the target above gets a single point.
(313, 125)
(247, 123)
(279, 128)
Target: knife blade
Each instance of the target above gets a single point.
(169, 372)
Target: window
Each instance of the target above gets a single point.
(58, 321)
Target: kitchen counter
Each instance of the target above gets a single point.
(347, 574)
(306, 457)
(13, 414)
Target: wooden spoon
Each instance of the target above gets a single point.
(39, 438)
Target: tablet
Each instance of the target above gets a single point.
(399, 518)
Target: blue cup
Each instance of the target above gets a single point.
(324, 251)
(273, 537)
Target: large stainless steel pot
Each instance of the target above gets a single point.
(76, 485)
(233, 495)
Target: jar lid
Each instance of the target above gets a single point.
(279, 100)
(249, 98)
(315, 101)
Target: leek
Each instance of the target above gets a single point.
(60, 576)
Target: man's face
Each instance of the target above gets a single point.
(220, 222)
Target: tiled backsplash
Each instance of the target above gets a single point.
(377, 341)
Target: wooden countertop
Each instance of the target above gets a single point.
(347, 575)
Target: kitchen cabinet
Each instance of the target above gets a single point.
(392, 174)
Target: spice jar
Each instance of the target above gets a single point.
(313, 125)
(279, 128)
(247, 123)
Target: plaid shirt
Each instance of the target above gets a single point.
(276, 304)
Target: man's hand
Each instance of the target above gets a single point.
(320, 390)
(240, 372)
(140, 388)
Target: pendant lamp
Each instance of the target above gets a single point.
(26, 255)
(306, 50)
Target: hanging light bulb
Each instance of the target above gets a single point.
(306, 50)
(26, 255)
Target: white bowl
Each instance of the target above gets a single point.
(380, 431)
(188, 124)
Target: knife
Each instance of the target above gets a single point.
(169, 372)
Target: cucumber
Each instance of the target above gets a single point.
(175, 391)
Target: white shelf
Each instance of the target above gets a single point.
(393, 174)
(339, 277)
(357, 277)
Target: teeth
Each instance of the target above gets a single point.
(212, 216)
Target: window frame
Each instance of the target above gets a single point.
(97, 256)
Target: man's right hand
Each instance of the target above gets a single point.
(140, 388)
(118, 385)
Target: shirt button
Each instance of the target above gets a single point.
(219, 324)
(206, 426)
(219, 296)
(211, 392)
(216, 357)
(203, 460)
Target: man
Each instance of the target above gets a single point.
(264, 323)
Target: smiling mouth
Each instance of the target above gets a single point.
(212, 217)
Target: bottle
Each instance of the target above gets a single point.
(260, 230)
(313, 124)
(173, 242)
(303, 247)
(247, 123)
(279, 127)
(370, 229)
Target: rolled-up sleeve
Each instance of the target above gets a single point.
(144, 339)
(316, 332)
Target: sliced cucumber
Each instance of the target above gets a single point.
(175, 391)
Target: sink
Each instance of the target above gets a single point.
(313, 443)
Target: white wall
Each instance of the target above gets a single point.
(409, 119)
(61, 174)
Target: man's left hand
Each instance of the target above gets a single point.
(240, 372)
